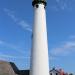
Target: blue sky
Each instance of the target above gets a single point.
(16, 20)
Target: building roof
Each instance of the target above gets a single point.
(54, 70)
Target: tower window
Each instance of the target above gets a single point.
(56, 73)
(50, 73)
(37, 6)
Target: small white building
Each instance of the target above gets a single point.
(54, 72)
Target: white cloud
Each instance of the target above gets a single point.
(11, 14)
(62, 5)
(72, 37)
(9, 45)
(64, 49)
(1, 42)
(23, 24)
(4, 56)
(26, 54)
(29, 29)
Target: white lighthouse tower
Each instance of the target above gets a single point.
(39, 54)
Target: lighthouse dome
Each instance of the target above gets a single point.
(39, 2)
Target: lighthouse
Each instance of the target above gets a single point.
(39, 53)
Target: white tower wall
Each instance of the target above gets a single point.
(39, 53)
